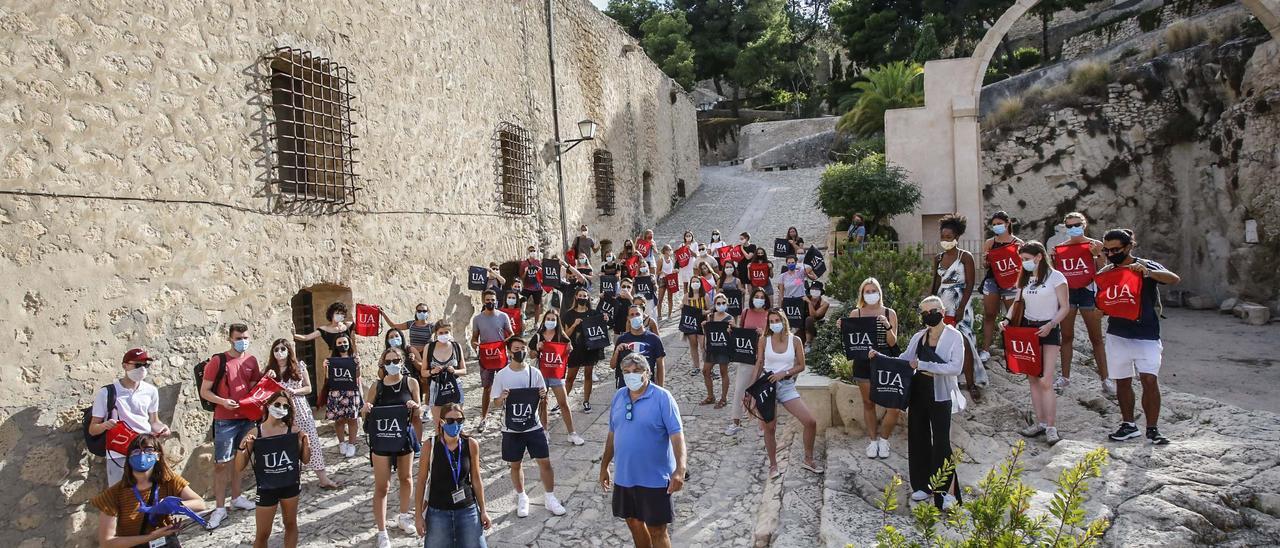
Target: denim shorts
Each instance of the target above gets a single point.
(454, 528)
(1082, 298)
(787, 390)
(990, 287)
(553, 382)
(227, 434)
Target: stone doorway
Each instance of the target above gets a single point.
(308, 306)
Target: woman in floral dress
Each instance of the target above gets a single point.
(292, 375)
(953, 281)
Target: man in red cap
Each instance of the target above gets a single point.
(136, 405)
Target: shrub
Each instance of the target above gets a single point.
(1090, 79)
(861, 148)
(1008, 112)
(895, 85)
(997, 512)
(1183, 34)
(1026, 57)
(871, 186)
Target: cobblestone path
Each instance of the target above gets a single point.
(718, 506)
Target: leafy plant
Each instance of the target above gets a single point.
(871, 186)
(895, 85)
(997, 513)
(666, 41)
(1026, 57)
(861, 148)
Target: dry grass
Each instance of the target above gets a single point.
(1184, 34)
(1090, 79)
(1008, 111)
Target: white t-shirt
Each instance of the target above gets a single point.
(133, 407)
(509, 379)
(1041, 301)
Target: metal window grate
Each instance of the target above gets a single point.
(313, 139)
(513, 166)
(602, 172)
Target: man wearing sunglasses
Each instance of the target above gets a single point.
(644, 424)
(137, 405)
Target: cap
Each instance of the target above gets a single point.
(136, 355)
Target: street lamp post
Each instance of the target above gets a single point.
(586, 129)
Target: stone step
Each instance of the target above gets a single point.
(801, 491)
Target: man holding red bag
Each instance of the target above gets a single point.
(136, 409)
(229, 377)
(1133, 345)
(489, 328)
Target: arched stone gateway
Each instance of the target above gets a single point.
(939, 144)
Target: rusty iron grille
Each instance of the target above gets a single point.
(602, 172)
(313, 139)
(513, 165)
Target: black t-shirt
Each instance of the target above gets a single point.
(572, 315)
(1147, 326)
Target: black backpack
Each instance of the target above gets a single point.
(217, 379)
(98, 444)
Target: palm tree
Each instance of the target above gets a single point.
(895, 85)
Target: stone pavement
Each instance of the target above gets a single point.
(720, 501)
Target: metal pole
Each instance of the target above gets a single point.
(555, 122)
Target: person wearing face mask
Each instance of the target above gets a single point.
(729, 277)
(993, 296)
(137, 405)
(705, 275)
(857, 233)
(236, 373)
(646, 435)
(630, 260)
(450, 488)
(638, 338)
(644, 279)
(953, 282)
(645, 247)
(1083, 300)
(276, 453)
(583, 245)
(148, 483)
(445, 368)
(713, 247)
(291, 373)
(336, 313)
(621, 301)
(756, 316)
(780, 355)
(666, 275)
(610, 267)
(871, 305)
(394, 338)
(419, 327)
(512, 303)
(531, 278)
(760, 271)
(793, 278)
(685, 271)
(582, 357)
(552, 330)
(413, 369)
(520, 388)
(489, 326)
(1042, 302)
(818, 308)
(749, 254)
(649, 323)
(393, 390)
(937, 355)
(1134, 346)
(718, 313)
(341, 387)
(496, 281)
(695, 297)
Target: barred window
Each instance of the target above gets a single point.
(602, 172)
(513, 165)
(313, 139)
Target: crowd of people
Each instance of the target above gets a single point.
(555, 321)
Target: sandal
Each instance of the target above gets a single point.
(813, 469)
(975, 393)
(775, 473)
(720, 404)
(330, 486)
(708, 401)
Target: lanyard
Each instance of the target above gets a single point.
(142, 505)
(454, 468)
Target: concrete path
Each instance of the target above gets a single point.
(719, 504)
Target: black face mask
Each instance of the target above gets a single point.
(1118, 258)
(343, 348)
(518, 356)
(581, 302)
(931, 319)
(490, 306)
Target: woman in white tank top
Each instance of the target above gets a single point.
(781, 355)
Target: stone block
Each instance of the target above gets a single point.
(1228, 306)
(815, 390)
(1255, 314)
(1199, 302)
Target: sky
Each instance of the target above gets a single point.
(600, 3)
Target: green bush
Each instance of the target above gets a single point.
(861, 148)
(871, 186)
(1026, 57)
(997, 512)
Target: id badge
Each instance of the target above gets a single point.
(459, 495)
(158, 543)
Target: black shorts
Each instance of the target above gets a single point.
(534, 296)
(651, 505)
(272, 497)
(514, 445)
(1054, 338)
(585, 357)
(861, 370)
(718, 357)
(392, 455)
(1082, 298)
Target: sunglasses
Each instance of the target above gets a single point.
(629, 407)
(395, 362)
(1077, 225)
(451, 420)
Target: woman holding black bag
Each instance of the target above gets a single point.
(779, 359)
(871, 305)
(718, 315)
(578, 320)
(277, 452)
(445, 365)
(389, 404)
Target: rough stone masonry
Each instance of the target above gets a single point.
(135, 201)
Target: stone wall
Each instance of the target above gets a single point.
(135, 207)
(1134, 23)
(1184, 150)
(756, 138)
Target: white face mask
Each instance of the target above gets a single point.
(635, 381)
(758, 303)
(947, 245)
(871, 298)
(511, 301)
(533, 254)
(339, 318)
(721, 307)
(445, 338)
(281, 354)
(775, 327)
(644, 271)
(815, 293)
(393, 369)
(278, 412)
(550, 324)
(137, 374)
(637, 322)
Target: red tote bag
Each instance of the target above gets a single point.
(758, 274)
(252, 406)
(493, 355)
(1005, 265)
(1120, 293)
(551, 359)
(119, 437)
(517, 322)
(633, 266)
(683, 254)
(1022, 351)
(367, 320)
(571, 256)
(1075, 261)
(643, 247)
(673, 283)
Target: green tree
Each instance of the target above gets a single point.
(871, 186)
(632, 14)
(666, 41)
(875, 32)
(762, 60)
(896, 85)
(927, 47)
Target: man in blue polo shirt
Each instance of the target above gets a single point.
(644, 425)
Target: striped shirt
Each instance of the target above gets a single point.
(420, 336)
(119, 501)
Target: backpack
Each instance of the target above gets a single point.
(217, 379)
(98, 444)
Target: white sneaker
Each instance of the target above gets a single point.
(383, 540)
(522, 505)
(553, 504)
(882, 448)
(405, 521)
(595, 377)
(1051, 435)
(575, 439)
(732, 430)
(342, 449)
(948, 501)
(351, 450)
(1060, 384)
(873, 449)
(1033, 430)
(1109, 387)
(919, 496)
(215, 519)
(241, 503)
(984, 355)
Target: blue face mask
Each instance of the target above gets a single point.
(1028, 265)
(999, 230)
(143, 462)
(452, 430)
(394, 342)
(1075, 231)
(241, 345)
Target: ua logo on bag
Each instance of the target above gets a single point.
(1118, 293)
(1073, 265)
(341, 373)
(1005, 265)
(521, 410)
(595, 331)
(278, 459)
(889, 378)
(718, 337)
(860, 339)
(388, 425)
(1022, 347)
(743, 344)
